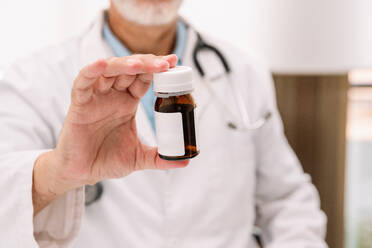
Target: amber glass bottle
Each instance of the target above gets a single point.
(175, 114)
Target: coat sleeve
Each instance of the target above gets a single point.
(287, 203)
(27, 129)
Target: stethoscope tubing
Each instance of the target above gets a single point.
(245, 122)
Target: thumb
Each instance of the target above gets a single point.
(153, 161)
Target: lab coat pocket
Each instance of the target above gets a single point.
(235, 180)
(241, 143)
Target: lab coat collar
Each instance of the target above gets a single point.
(93, 44)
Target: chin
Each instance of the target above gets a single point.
(148, 12)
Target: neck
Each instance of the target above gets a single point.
(158, 40)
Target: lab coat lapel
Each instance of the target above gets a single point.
(213, 74)
(93, 45)
(201, 96)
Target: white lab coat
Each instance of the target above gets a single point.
(240, 179)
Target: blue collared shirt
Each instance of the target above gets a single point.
(120, 50)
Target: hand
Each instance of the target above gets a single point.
(99, 137)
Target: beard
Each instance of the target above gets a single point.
(148, 13)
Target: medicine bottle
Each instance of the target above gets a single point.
(175, 114)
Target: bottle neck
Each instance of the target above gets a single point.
(169, 94)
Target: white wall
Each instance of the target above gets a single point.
(233, 20)
(27, 25)
(290, 35)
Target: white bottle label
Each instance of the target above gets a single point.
(169, 134)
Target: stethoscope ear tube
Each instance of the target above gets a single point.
(246, 124)
(201, 45)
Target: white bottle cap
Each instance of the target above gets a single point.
(176, 79)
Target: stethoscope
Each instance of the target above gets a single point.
(94, 192)
(238, 123)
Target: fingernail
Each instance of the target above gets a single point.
(168, 56)
(160, 62)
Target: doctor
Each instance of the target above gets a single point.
(81, 113)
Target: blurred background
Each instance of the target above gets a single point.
(320, 53)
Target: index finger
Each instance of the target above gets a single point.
(138, 64)
(89, 74)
